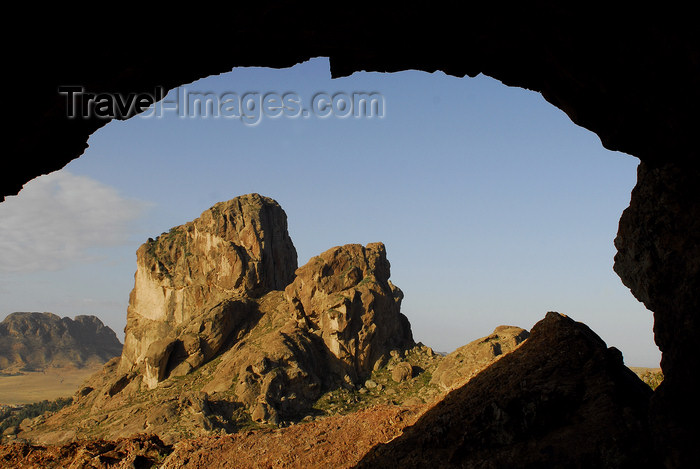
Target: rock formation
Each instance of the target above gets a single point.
(212, 331)
(635, 83)
(32, 341)
(557, 399)
(337, 318)
(561, 399)
(278, 370)
(346, 297)
(184, 302)
(468, 360)
(224, 332)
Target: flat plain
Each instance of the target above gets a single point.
(49, 384)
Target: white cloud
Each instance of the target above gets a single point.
(59, 219)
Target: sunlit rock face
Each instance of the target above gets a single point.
(211, 322)
(238, 248)
(345, 295)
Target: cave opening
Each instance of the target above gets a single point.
(493, 206)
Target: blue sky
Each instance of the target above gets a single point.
(494, 207)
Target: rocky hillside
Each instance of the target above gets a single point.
(562, 399)
(33, 341)
(233, 350)
(223, 330)
(334, 442)
(467, 361)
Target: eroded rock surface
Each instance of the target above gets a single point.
(658, 258)
(345, 297)
(186, 281)
(137, 452)
(279, 370)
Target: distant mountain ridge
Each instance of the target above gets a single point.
(32, 341)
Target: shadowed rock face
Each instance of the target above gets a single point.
(658, 258)
(634, 82)
(562, 399)
(186, 278)
(38, 340)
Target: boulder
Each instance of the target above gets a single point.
(12, 430)
(156, 361)
(402, 371)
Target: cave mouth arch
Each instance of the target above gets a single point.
(630, 76)
(415, 186)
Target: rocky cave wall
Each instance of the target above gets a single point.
(629, 75)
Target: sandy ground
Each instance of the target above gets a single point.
(37, 386)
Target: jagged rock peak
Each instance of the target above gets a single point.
(37, 340)
(234, 249)
(246, 243)
(346, 296)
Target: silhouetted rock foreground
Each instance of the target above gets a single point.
(560, 400)
(33, 341)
